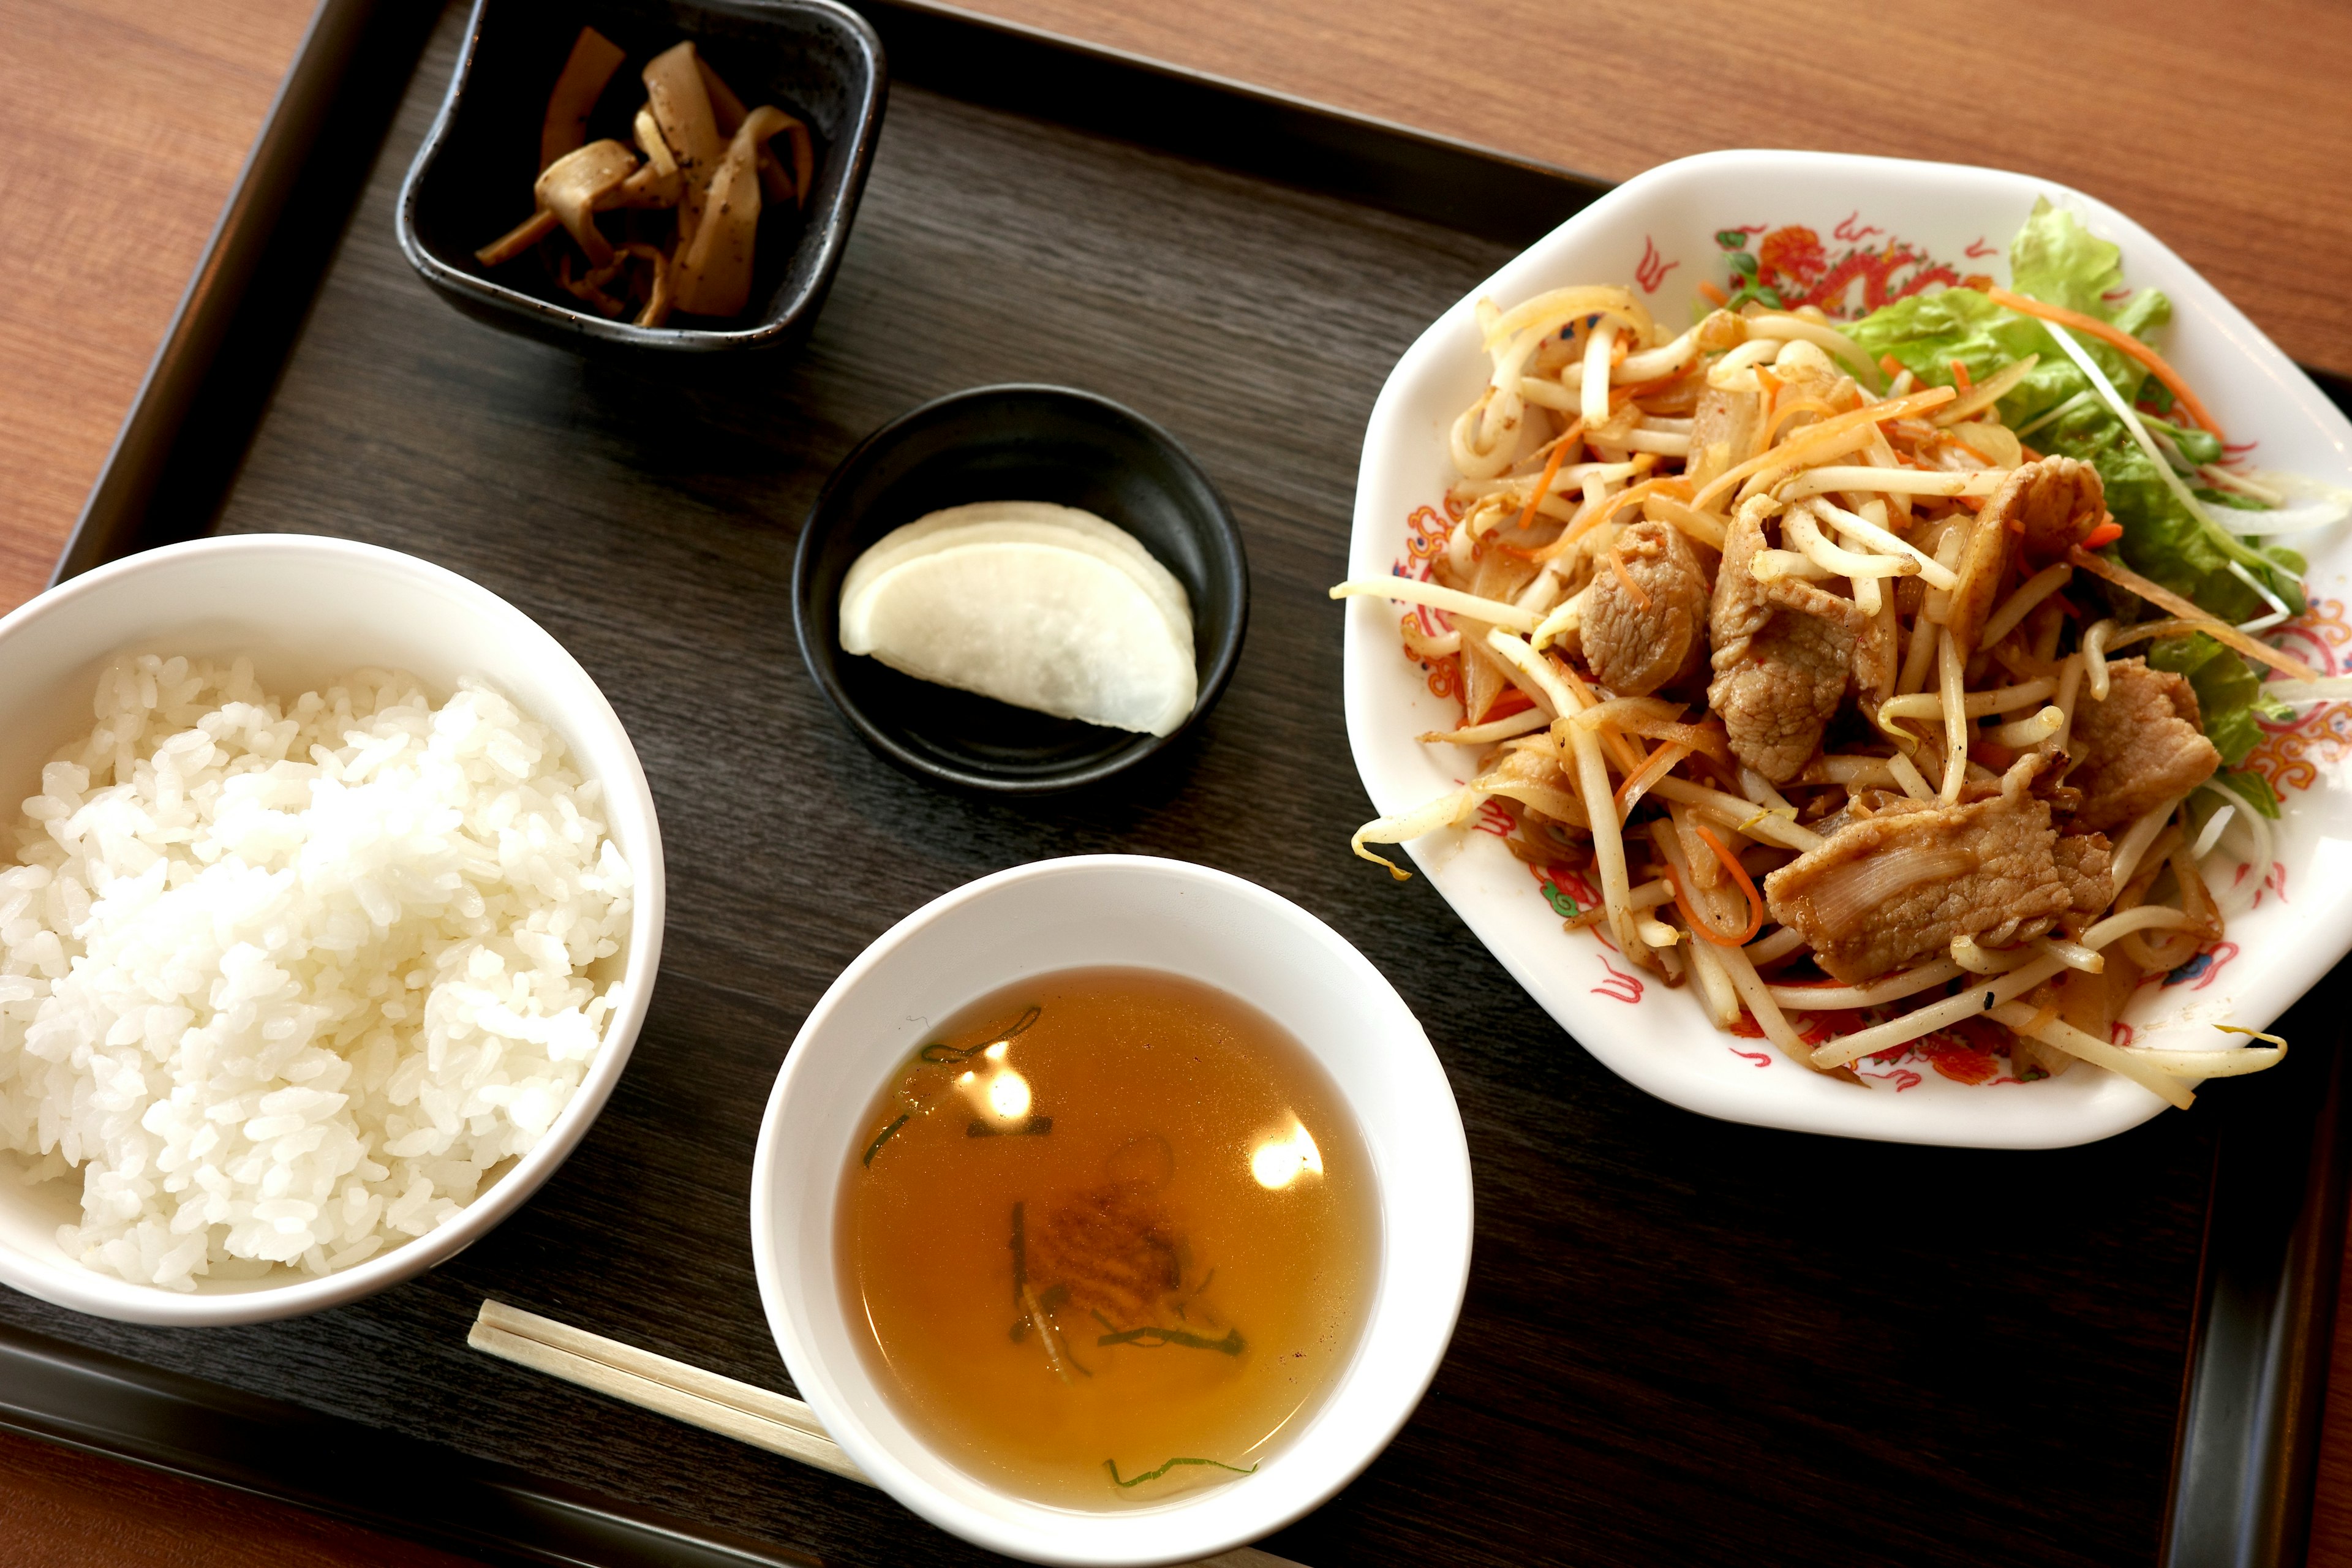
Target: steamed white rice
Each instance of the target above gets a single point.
(288, 982)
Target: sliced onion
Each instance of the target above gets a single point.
(2260, 849)
(2211, 833)
(1872, 993)
(1850, 895)
(2310, 504)
(2326, 689)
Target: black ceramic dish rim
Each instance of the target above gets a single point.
(1217, 670)
(830, 233)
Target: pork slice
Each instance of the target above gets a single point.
(1877, 658)
(2139, 748)
(1634, 648)
(1784, 651)
(2082, 859)
(2051, 503)
(1897, 886)
(1979, 593)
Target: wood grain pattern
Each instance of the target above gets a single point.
(1770, 1377)
(2226, 141)
(129, 121)
(63, 1509)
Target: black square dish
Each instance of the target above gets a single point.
(472, 179)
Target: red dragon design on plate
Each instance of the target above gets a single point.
(1853, 273)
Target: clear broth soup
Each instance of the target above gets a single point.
(1113, 1231)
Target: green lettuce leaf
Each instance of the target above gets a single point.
(2058, 261)
(2254, 790)
(2054, 258)
(2197, 445)
(1928, 332)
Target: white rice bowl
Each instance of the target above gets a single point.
(288, 983)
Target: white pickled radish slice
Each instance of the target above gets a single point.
(1070, 631)
(1025, 522)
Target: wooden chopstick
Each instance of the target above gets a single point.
(772, 1421)
(776, 1422)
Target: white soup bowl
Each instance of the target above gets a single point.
(1128, 912)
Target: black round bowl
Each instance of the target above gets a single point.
(1013, 443)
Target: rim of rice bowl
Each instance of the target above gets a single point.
(308, 608)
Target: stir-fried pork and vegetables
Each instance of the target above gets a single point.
(1881, 678)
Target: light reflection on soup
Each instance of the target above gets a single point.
(1108, 1218)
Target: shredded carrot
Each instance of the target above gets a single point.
(1714, 296)
(1747, 885)
(1771, 384)
(1891, 365)
(1621, 396)
(1960, 377)
(1660, 764)
(1699, 927)
(1872, 414)
(1551, 472)
(2107, 532)
(2210, 625)
(1617, 564)
(2118, 338)
(1673, 485)
(1790, 410)
(1627, 752)
(1508, 701)
(1543, 552)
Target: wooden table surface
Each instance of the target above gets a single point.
(130, 121)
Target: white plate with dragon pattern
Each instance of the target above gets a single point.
(1848, 234)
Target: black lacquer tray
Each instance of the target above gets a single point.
(1684, 1342)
